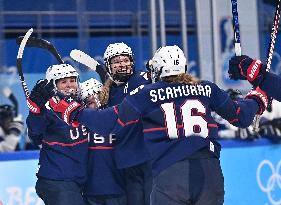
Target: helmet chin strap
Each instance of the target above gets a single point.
(121, 78)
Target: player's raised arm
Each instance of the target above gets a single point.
(104, 121)
(239, 113)
(245, 68)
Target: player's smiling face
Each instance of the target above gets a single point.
(121, 64)
(67, 85)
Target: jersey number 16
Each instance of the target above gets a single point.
(193, 124)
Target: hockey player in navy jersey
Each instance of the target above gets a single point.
(105, 183)
(123, 78)
(178, 128)
(63, 156)
(245, 68)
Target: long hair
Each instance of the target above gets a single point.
(184, 78)
(104, 94)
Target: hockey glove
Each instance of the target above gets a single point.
(68, 109)
(245, 68)
(260, 97)
(40, 94)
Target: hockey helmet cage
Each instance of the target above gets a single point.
(117, 49)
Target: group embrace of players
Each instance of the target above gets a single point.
(140, 137)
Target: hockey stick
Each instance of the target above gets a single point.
(273, 35)
(9, 94)
(19, 62)
(19, 67)
(236, 29)
(84, 59)
(41, 43)
(237, 48)
(88, 61)
(274, 30)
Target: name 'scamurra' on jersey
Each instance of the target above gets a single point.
(179, 91)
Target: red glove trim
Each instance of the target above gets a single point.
(240, 67)
(75, 124)
(253, 70)
(261, 95)
(67, 112)
(115, 109)
(65, 109)
(58, 105)
(32, 106)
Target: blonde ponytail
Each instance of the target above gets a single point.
(182, 78)
(104, 94)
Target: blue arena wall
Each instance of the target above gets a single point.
(251, 171)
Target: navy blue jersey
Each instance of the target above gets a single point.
(271, 84)
(64, 151)
(118, 93)
(103, 176)
(176, 118)
(129, 154)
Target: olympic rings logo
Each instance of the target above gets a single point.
(273, 181)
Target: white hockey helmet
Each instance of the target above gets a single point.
(90, 87)
(167, 61)
(60, 71)
(117, 49)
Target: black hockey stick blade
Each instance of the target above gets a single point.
(41, 43)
